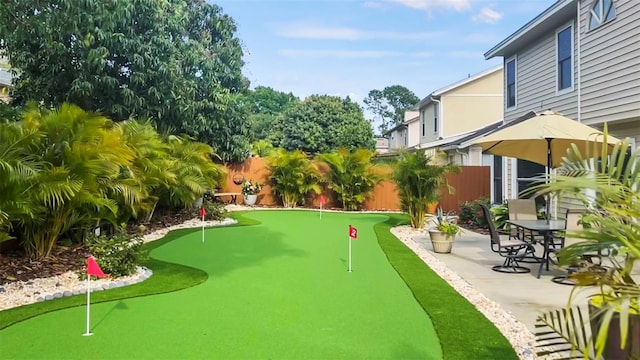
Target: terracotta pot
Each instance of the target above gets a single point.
(431, 209)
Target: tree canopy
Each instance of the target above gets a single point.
(322, 123)
(389, 105)
(176, 62)
(266, 108)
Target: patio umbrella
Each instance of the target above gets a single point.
(543, 139)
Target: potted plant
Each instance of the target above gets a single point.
(443, 233)
(608, 189)
(250, 191)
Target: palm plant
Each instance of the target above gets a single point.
(19, 165)
(292, 176)
(351, 176)
(81, 157)
(609, 190)
(419, 183)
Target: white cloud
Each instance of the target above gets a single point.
(457, 5)
(424, 54)
(487, 15)
(373, 4)
(305, 31)
(345, 54)
(463, 54)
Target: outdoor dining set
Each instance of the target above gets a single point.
(517, 243)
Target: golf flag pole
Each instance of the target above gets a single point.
(322, 201)
(203, 212)
(92, 269)
(353, 234)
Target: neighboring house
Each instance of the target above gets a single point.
(405, 135)
(580, 58)
(382, 145)
(457, 110)
(5, 83)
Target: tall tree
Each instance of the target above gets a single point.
(176, 62)
(322, 123)
(266, 107)
(389, 105)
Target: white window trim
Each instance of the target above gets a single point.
(506, 92)
(573, 60)
(590, 14)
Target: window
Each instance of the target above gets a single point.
(529, 174)
(564, 47)
(511, 83)
(435, 117)
(423, 123)
(498, 198)
(601, 12)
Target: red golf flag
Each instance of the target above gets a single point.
(322, 200)
(93, 268)
(353, 232)
(203, 212)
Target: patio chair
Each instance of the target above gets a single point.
(572, 218)
(523, 209)
(512, 250)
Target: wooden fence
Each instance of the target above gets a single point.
(472, 183)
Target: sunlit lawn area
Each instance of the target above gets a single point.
(278, 289)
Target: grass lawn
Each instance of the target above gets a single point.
(277, 289)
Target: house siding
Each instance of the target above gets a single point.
(610, 61)
(536, 80)
(467, 113)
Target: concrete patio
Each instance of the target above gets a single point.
(523, 295)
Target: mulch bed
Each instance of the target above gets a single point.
(16, 266)
(479, 230)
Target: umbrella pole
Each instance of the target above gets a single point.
(548, 179)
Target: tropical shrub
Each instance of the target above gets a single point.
(215, 211)
(251, 187)
(66, 170)
(471, 212)
(608, 190)
(419, 183)
(293, 176)
(351, 176)
(500, 215)
(118, 255)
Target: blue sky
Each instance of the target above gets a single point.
(349, 47)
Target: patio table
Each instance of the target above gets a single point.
(546, 228)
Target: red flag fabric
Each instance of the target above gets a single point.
(322, 200)
(93, 268)
(353, 232)
(203, 212)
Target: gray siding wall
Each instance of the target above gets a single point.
(610, 58)
(536, 79)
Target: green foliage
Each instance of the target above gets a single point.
(176, 62)
(261, 148)
(389, 105)
(321, 124)
(293, 176)
(445, 225)
(251, 187)
(500, 216)
(216, 211)
(67, 170)
(471, 212)
(118, 255)
(265, 100)
(608, 189)
(352, 176)
(419, 183)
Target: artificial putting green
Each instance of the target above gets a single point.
(277, 290)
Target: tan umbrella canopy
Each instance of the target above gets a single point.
(544, 139)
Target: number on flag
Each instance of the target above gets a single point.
(353, 232)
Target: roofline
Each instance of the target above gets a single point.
(436, 94)
(553, 9)
(467, 80)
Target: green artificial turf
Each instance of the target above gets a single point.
(279, 289)
(463, 331)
